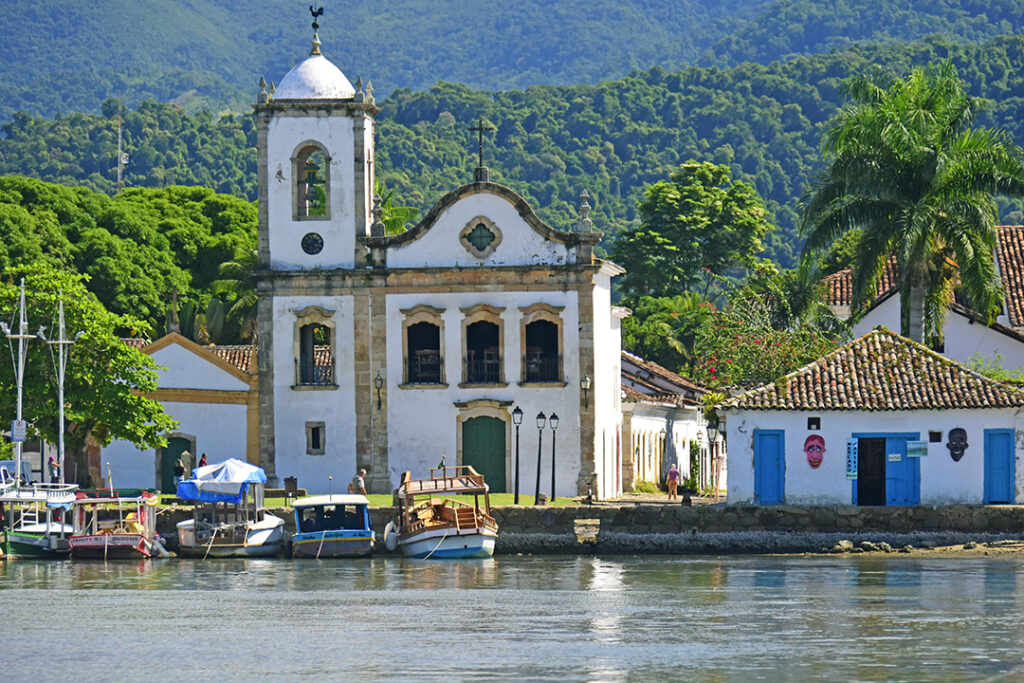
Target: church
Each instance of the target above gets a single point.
(481, 336)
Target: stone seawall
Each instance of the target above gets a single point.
(660, 528)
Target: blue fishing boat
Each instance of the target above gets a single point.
(332, 526)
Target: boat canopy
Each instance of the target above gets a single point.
(223, 482)
(336, 499)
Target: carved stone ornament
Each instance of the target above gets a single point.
(480, 237)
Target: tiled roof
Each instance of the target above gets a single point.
(631, 395)
(135, 342)
(1010, 255)
(664, 373)
(238, 355)
(881, 371)
(840, 284)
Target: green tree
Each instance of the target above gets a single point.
(694, 229)
(107, 380)
(907, 167)
(664, 329)
(238, 286)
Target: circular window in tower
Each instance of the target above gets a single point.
(312, 243)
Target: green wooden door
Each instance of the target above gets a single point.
(175, 447)
(483, 448)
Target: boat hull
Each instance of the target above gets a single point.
(437, 544)
(263, 539)
(21, 545)
(332, 544)
(111, 546)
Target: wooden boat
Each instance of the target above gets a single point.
(34, 519)
(116, 524)
(332, 526)
(228, 518)
(432, 525)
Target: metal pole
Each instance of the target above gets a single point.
(22, 335)
(553, 431)
(517, 466)
(540, 438)
(62, 356)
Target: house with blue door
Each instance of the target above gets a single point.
(882, 420)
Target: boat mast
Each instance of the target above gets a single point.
(19, 371)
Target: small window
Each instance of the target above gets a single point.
(316, 364)
(814, 423)
(935, 437)
(542, 361)
(422, 342)
(315, 433)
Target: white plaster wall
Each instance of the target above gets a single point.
(336, 135)
(422, 423)
(293, 408)
(886, 314)
(187, 370)
(680, 424)
(440, 245)
(943, 481)
(964, 339)
(606, 388)
(219, 430)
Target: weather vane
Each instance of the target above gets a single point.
(318, 12)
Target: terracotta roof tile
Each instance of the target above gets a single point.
(631, 395)
(238, 355)
(135, 342)
(660, 371)
(1010, 255)
(840, 284)
(881, 371)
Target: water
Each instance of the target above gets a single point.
(517, 618)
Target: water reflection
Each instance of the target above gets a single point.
(533, 618)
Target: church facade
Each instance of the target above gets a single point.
(391, 353)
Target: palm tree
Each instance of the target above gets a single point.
(906, 166)
(238, 284)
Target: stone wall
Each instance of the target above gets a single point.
(721, 529)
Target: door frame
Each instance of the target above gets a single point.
(159, 460)
(781, 433)
(485, 407)
(907, 436)
(986, 493)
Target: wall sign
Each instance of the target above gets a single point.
(852, 449)
(957, 443)
(917, 449)
(895, 457)
(814, 449)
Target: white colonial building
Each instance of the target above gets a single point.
(392, 352)
(880, 421)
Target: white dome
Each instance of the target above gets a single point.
(315, 79)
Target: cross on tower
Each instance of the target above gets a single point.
(479, 129)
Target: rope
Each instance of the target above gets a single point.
(210, 544)
(106, 539)
(436, 546)
(323, 535)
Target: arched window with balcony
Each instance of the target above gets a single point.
(422, 346)
(541, 340)
(483, 344)
(311, 188)
(314, 348)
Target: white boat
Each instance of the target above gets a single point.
(228, 518)
(433, 523)
(35, 518)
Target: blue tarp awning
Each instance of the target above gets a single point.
(224, 482)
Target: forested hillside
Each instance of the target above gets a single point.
(61, 57)
(612, 139)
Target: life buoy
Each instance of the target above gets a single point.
(391, 537)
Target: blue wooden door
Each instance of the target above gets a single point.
(769, 466)
(903, 476)
(999, 466)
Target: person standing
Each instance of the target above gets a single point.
(358, 484)
(673, 482)
(179, 472)
(54, 470)
(202, 460)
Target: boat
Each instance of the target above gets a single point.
(228, 518)
(34, 518)
(115, 524)
(332, 526)
(433, 524)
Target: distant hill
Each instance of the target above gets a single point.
(69, 55)
(612, 139)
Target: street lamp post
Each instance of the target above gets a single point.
(517, 419)
(61, 365)
(553, 421)
(540, 437)
(17, 435)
